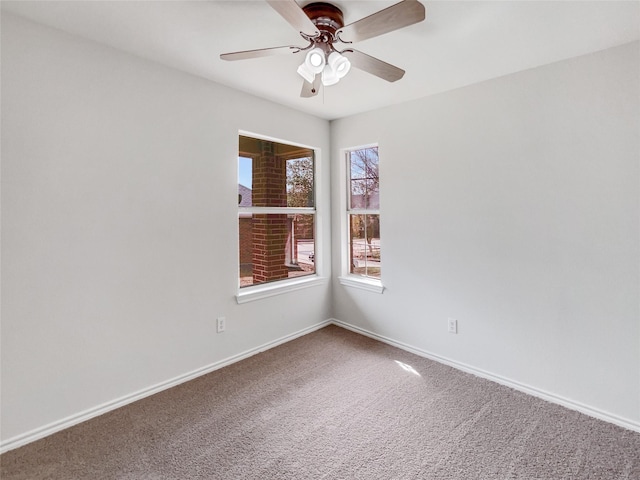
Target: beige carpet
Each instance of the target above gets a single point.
(334, 405)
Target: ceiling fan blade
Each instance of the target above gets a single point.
(396, 16)
(373, 65)
(261, 52)
(293, 14)
(310, 89)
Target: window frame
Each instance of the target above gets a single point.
(347, 278)
(278, 287)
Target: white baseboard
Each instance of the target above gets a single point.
(75, 419)
(550, 397)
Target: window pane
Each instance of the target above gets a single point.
(245, 181)
(365, 245)
(364, 180)
(272, 174)
(300, 191)
(275, 247)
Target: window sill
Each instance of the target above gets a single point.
(249, 294)
(362, 283)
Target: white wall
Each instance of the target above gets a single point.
(119, 210)
(513, 206)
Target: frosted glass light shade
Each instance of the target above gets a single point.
(339, 64)
(315, 60)
(305, 73)
(329, 76)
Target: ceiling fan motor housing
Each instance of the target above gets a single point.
(326, 17)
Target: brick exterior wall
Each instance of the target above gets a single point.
(304, 227)
(246, 241)
(269, 231)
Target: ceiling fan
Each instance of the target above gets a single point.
(322, 25)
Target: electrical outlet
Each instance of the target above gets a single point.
(453, 325)
(221, 323)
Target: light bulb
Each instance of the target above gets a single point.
(315, 60)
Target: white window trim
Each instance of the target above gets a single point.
(346, 278)
(363, 283)
(276, 210)
(265, 290)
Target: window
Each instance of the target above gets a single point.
(363, 213)
(276, 212)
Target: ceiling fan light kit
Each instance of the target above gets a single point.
(322, 25)
(333, 68)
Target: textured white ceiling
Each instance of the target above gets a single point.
(460, 43)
